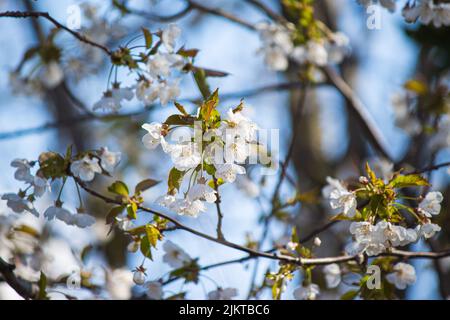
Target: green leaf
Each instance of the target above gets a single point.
(145, 184)
(412, 180)
(132, 210)
(202, 84)
(42, 283)
(113, 213)
(146, 248)
(180, 120)
(350, 295)
(187, 53)
(120, 188)
(175, 179)
(209, 105)
(153, 235)
(148, 38)
(181, 108)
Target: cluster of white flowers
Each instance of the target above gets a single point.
(436, 12)
(103, 160)
(22, 201)
(229, 143)
(79, 220)
(161, 79)
(428, 12)
(278, 47)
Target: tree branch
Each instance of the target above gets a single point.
(46, 15)
(24, 288)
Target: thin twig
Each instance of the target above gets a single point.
(46, 15)
(219, 210)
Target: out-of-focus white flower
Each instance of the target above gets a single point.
(428, 11)
(51, 75)
(109, 160)
(228, 171)
(402, 113)
(79, 220)
(133, 246)
(236, 125)
(22, 172)
(168, 91)
(276, 44)
(186, 207)
(431, 204)
(427, 230)
(403, 275)
(248, 186)
(119, 283)
(223, 294)
(154, 290)
(112, 99)
(170, 35)
(85, 168)
(332, 275)
(19, 204)
(124, 224)
(388, 4)
(203, 192)
(310, 292)
(175, 256)
(338, 47)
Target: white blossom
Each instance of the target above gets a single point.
(19, 204)
(22, 172)
(161, 64)
(153, 138)
(340, 197)
(223, 294)
(276, 44)
(309, 292)
(431, 204)
(248, 186)
(202, 191)
(228, 171)
(428, 12)
(174, 256)
(109, 160)
(154, 290)
(332, 275)
(85, 168)
(402, 113)
(170, 35)
(402, 276)
(40, 186)
(184, 155)
(112, 99)
(427, 230)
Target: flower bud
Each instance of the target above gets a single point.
(363, 180)
(317, 241)
(139, 277)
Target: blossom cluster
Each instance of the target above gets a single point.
(279, 47)
(159, 78)
(214, 146)
(52, 166)
(433, 12)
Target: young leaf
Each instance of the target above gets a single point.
(210, 104)
(202, 84)
(153, 235)
(119, 188)
(148, 38)
(179, 120)
(175, 179)
(350, 295)
(145, 247)
(145, 184)
(412, 180)
(113, 213)
(181, 108)
(132, 210)
(42, 283)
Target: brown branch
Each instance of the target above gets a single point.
(24, 288)
(219, 211)
(360, 111)
(46, 15)
(430, 168)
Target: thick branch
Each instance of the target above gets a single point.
(22, 287)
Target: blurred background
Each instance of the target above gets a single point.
(330, 140)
